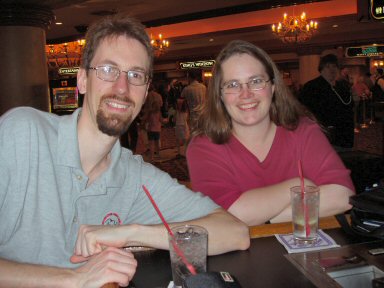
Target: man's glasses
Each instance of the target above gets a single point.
(235, 87)
(111, 74)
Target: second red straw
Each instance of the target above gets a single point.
(176, 247)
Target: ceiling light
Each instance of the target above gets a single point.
(159, 45)
(294, 29)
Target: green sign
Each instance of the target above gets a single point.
(197, 64)
(365, 51)
(69, 70)
(377, 9)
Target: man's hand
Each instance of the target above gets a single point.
(111, 265)
(92, 239)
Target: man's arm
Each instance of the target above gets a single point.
(112, 265)
(226, 233)
(380, 82)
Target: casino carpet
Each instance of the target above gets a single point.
(168, 161)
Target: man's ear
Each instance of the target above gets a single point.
(82, 80)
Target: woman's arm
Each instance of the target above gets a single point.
(272, 203)
(260, 205)
(333, 200)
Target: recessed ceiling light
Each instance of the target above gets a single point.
(335, 26)
(59, 23)
(211, 40)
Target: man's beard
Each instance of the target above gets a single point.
(113, 124)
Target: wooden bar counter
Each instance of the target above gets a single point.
(286, 227)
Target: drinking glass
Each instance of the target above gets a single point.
(305, 213)
(192, 240)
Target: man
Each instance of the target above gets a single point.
(194, 93)
(331, 102)
(59, 173)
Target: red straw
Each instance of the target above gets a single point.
(173, 240)
(306, 216)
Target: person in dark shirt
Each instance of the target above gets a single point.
(330, 100)
(378, 86)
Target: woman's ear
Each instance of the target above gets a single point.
(82, 80)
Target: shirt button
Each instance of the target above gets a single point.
(74, 219)
(79, 177)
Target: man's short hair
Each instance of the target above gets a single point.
(195, 74)
(115, 26)
(379, 71)
(328, 59)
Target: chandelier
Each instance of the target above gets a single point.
(64, 55)
(294, 29)
(159, 45)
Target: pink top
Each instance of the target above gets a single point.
(225, 171)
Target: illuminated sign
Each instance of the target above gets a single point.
(365, 51)
(377, 9)
(69, 70)
(197, 64)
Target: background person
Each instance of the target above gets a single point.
(330, 100)
(181, 127)
(378, 86)
(152, 119)
(131, 136)
(175, 88)
(195, 94)
(66, 183)
(377, 93)
(249, 138)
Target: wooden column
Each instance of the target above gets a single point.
(23, 66)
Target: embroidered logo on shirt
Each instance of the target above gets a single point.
(111, 219)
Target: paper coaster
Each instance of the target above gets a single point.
(324, 241)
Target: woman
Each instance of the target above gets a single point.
(249, 138)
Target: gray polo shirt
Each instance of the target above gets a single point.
(44, 195)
